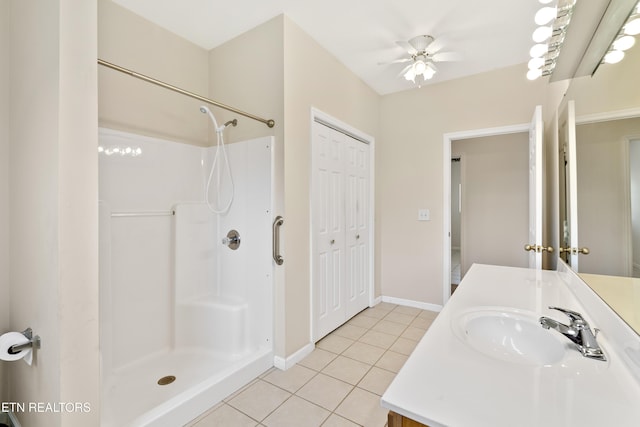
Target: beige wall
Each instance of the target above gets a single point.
(409, 171)
(495, 199)
(4, 182)
(130, 104)
(53, 212)
(604, 227)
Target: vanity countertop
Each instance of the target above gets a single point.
(447, 382)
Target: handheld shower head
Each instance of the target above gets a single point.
(204, 109)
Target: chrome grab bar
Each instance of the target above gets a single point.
(276, 240)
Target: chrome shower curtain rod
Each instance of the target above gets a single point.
(269, 122)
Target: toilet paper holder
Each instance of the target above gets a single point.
(34, 342)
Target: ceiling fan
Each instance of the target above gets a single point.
(423, 52)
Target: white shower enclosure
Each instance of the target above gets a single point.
(185, 320)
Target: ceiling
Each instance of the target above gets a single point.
(362, 33)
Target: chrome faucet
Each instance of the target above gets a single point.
(578, 331)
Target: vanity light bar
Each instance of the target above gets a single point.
(553, 22)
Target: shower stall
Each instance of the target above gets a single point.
(186, 294)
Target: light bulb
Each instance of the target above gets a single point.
(541, 34)
(545, 1)
(632, 28)
(429, 73)
(624, 43)
(410, 75)
(538, 50)
(419, 67)
(614, 56)
(534, 74)
(545, 15)
(535, 63)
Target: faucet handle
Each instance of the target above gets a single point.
(573, 315)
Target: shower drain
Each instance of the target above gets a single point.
(166, 380)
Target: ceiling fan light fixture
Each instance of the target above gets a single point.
(419, 67)
(410, 75)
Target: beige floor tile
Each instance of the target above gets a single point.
(297, 412)
(413, 333)
(291, 379)
(386, 306)
(392, 361)
(225, 416)
(422, 322)
(379, 339)
(412, 311)
(334, 343)
(403, 346)
(404, 319)
(363, 407)
(428, 314)
(337, 421)
(376, 380)
(237, 392)
(375, 312)
(363, 321)
(259, 400)
(318, 359)
(391, 328)
(325, 391)
(347, 370)
(364, 352)
(350, 331)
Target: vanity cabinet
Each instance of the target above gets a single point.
(397, 420)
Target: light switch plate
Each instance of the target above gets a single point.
(424, 215)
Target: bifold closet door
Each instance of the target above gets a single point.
(340, 224)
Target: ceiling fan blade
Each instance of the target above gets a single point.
(406, 46)
(397, 61)
(404, 70)
(446, 57)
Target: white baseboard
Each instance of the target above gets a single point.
(411, 303)
(376, 301)
(285, 363)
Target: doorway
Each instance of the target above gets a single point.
(448, 141)
(456, 221)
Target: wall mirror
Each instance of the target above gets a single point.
(599, 183)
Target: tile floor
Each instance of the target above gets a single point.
(339, 384)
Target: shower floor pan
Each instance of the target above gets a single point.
(133, 397)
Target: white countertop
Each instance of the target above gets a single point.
(445, 382)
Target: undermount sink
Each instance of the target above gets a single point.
(509, 335)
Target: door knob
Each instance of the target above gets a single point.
(583, 251)
(332, 241)
(357, 236)
(538, 249)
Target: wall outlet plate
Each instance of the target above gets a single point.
(424, 215)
